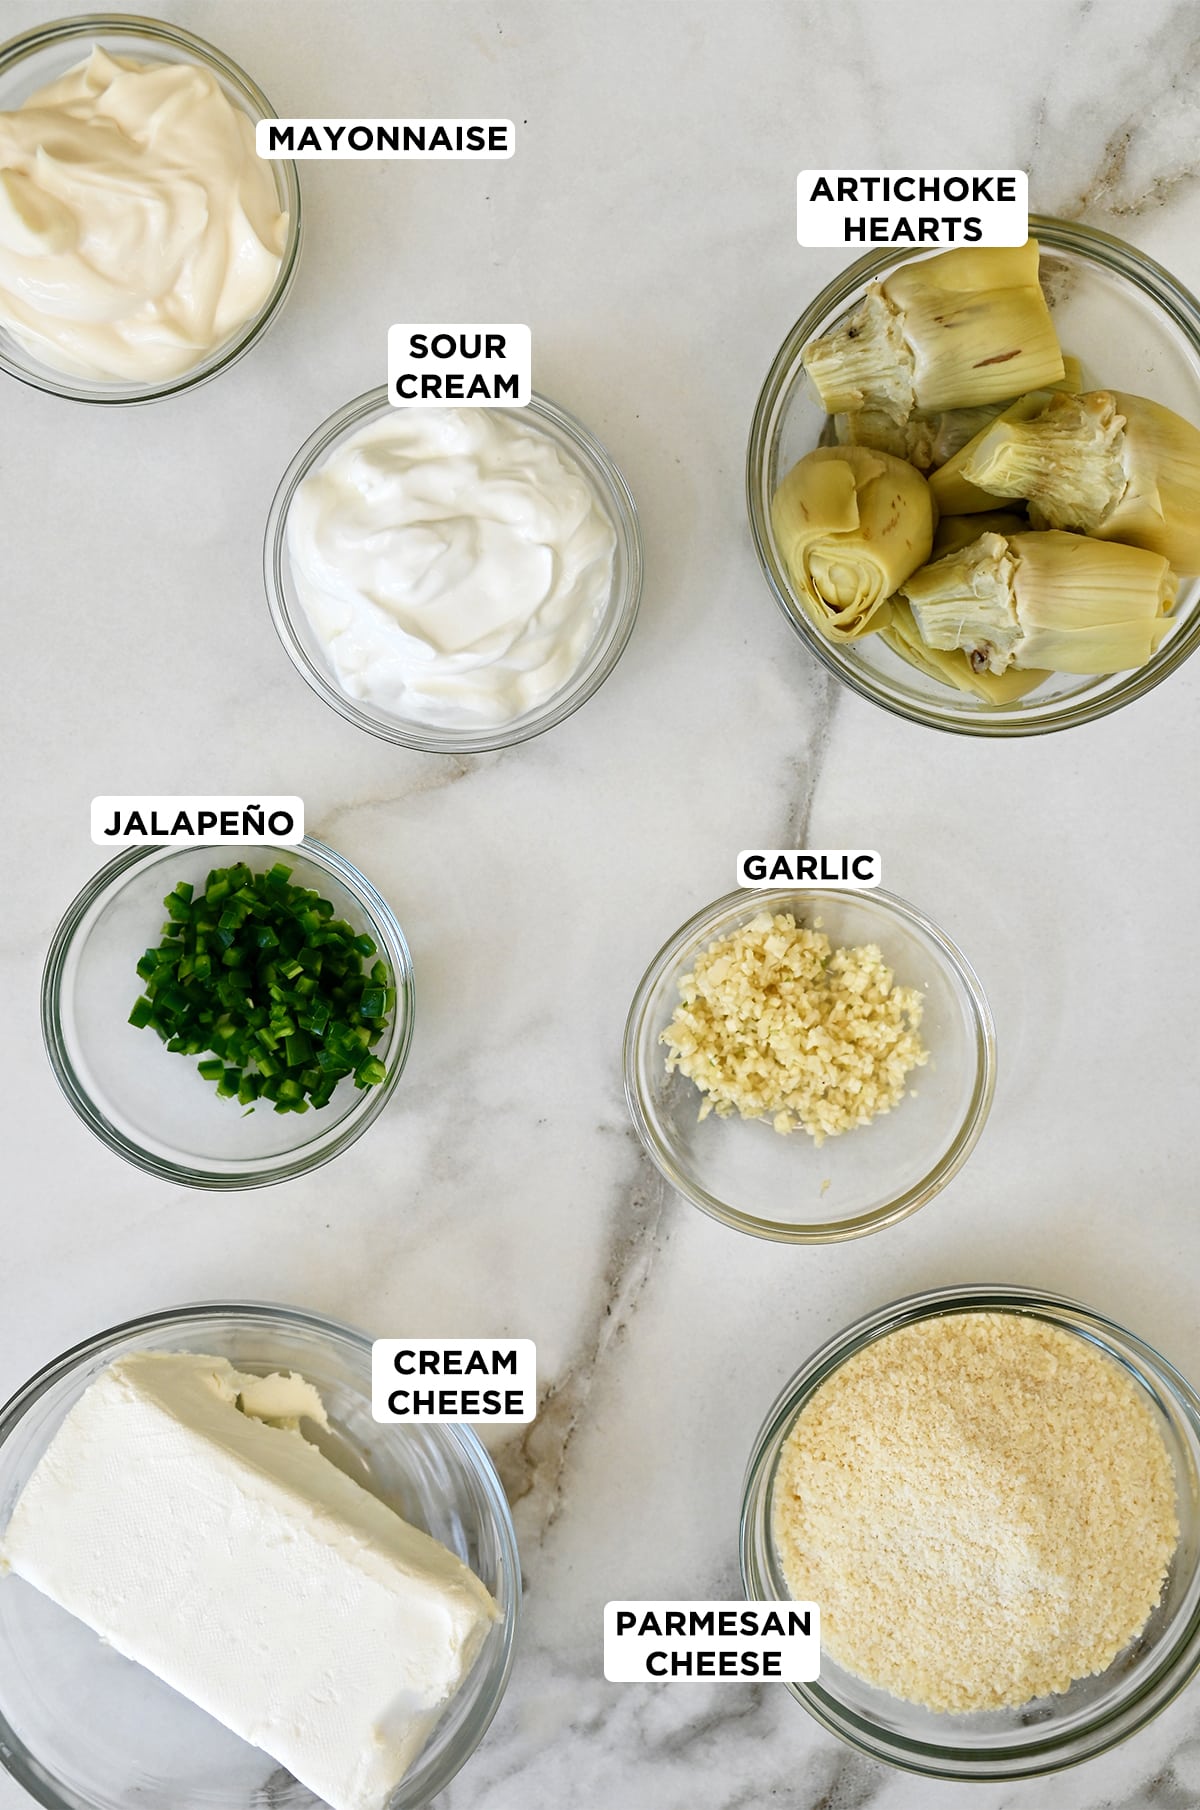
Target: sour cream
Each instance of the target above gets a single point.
(138, 227)
(453, 563)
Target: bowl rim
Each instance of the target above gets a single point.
(942, 1760)
(120, 392)
(1088, 242)
(465, 1442)
(708, 922)
(606, 480)
(108, 880)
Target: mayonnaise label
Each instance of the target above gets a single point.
(420, 138)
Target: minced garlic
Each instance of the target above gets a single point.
(773, 1022)
(982, 1505)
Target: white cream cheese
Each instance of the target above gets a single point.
(321, 1627)
(138, 227)
(454, 564)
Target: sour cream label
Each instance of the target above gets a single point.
(430, 1380)
(853, 869)
(694, 1643)
(482, 366)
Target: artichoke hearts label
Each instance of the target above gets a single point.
(430, 1380)
(120, 822)
(484, 367)
(851, 869)
(912, 207)
(693, 1643)
(482, 139)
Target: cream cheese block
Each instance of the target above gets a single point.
(319, 1626)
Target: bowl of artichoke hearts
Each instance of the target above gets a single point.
(974, 479)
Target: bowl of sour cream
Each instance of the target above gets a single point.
(144, 245)
(449, 579)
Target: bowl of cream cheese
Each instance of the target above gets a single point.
(453, 580)
(144, 245)
(223, 1582)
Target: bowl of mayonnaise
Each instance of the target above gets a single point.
(449, 579)
(144, 244)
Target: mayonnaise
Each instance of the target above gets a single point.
(138, 227)
(453, 563)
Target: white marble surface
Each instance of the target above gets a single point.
(645, 231)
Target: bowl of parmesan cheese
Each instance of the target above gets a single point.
(993, 1497)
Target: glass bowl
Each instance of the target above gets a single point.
(82, 1728)
(743, 1172)
(148, 1104)
(1134, 328)
(610, 637)
(34, 59)
(1051, 1732)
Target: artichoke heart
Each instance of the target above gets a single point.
(965, 327)
(955, 531)
(851, 525)
(953, 667)
(958, 485)
(1048, 600)
(928, 439)
(1113, 466)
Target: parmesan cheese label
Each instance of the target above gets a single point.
(696, 1642)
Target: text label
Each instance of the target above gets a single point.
(481, 139)
(430, 1380)
(912, 207)
(119, 822)
(851, 869)
(693, 1643)
(431, 364)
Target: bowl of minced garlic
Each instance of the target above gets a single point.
(992, 1497)
(775, 1023)
(809, 1064)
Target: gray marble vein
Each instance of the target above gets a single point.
(534, 1467)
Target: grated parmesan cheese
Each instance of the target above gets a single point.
(983, 1506)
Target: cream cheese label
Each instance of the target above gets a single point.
(695, 1642)
(852, 869)
(912, 207)
(486, 366)
(122, 821)
(430, 1380)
